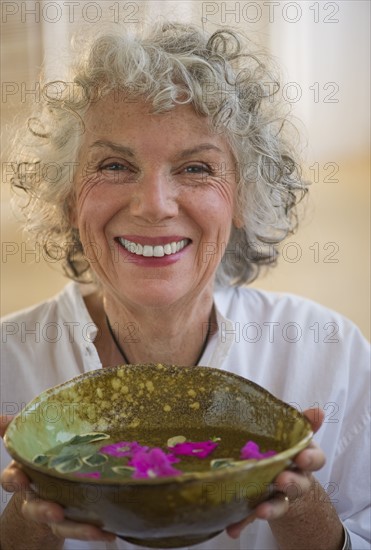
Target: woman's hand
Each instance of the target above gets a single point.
(29, 522)
(300, 515)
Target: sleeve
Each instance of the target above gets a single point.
(5, 460)
(352, 470)
(352, 467)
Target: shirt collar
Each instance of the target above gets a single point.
(223, 339)
(75, 312)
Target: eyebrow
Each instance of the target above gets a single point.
(113, 146)
(198, 149)
(129, 152)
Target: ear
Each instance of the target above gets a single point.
(71, 210)
(237, 219)
(237, 222)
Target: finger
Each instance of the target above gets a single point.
(312, 458)
(72, 530)
(234, 530)
(271, 509)
(14, 479)
(41, 511)
(315, 417)
(5, 420)
(52, 515)
(293, 484)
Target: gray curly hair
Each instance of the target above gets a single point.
(223, 78)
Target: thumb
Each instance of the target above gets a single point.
(4, 422)
(315, 417)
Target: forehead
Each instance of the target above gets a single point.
(120, 121)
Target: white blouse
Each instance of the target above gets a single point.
(301, 352)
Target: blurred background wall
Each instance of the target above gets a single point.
(324, 51)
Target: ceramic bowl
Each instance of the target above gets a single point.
(162, 512)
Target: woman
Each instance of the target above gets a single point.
(175, 183)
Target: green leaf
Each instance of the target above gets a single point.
(221, 463)
(69, 466)
(96, 459)
(60, 459)
(87, 438)
(85, 449)
(40, 460)
(124, 471)
(175, 440)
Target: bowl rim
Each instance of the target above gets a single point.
(208, 475)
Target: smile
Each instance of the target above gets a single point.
(157, 251)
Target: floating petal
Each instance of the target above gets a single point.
(251, 451)
(122, 448)
(201, 449)
(153, 463)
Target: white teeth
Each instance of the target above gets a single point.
(147, 251)
(157, 251)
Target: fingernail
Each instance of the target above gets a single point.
(234, 534)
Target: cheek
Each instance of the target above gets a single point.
(217, 207)
(92, 204)
(94, 208)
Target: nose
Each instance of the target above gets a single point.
(154, 199)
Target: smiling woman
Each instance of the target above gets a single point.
(223, 80)
(176, 181)
(149, 194)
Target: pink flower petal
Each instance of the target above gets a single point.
(153, 463)
(122, 448)
(251, 451)
(200, 449)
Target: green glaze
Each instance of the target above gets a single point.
(158, 512)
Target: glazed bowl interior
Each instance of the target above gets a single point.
(165, 511)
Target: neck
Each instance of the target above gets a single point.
(119, 347)
(172, 335)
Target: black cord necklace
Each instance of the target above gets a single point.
(117, 343)
(118, 346)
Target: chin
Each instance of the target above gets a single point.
(145, 294)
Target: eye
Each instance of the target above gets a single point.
(198, 169)
(114, 167)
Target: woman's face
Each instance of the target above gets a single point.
(155, 199)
